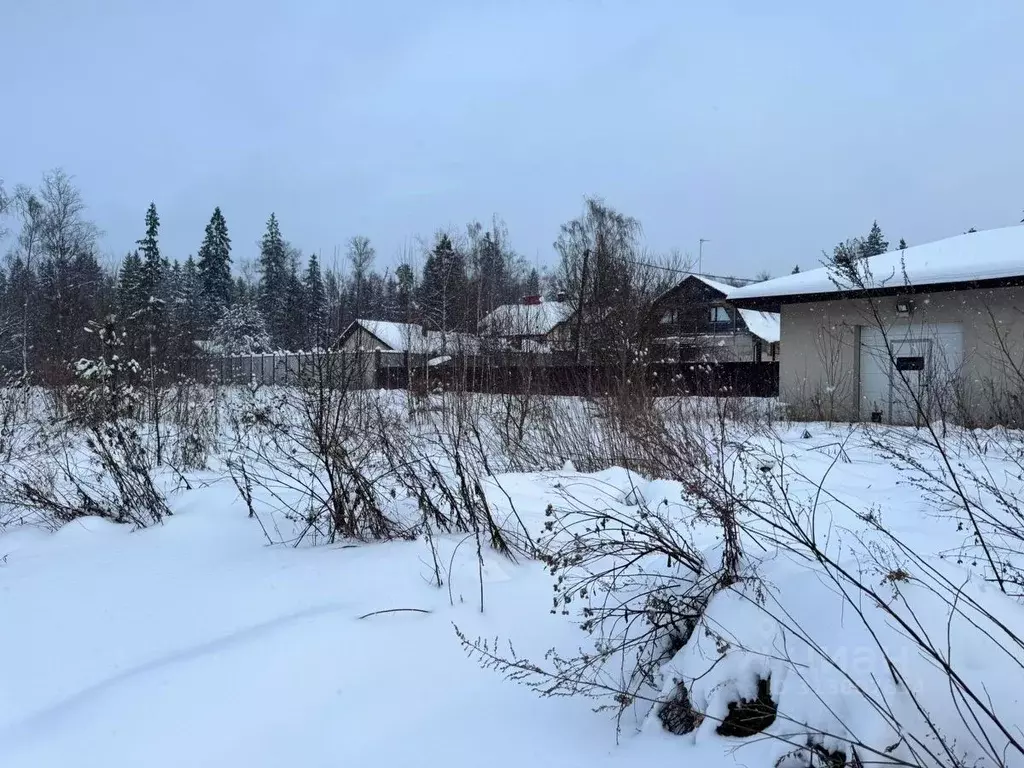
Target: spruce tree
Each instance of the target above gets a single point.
(491, 267)
(275, 279)
(843, 263)
(406, 278)
(131, 291)
(153, 284)
(152, 272)
(241, 291)
(298, 322)
(533, 283)
(875, 244)
(315, 303)
(190, 287)
(215, 268)
(796, 270)
(186, 307)
(903, 244)
(443, 290)
(241, 330)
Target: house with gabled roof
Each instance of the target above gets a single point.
(387, 336)
(693, 321)
(930, 331)
(525, 326)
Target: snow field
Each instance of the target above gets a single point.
(196, 643)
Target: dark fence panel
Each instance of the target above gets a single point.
(478, 374)
(717, 379)
(508, 373)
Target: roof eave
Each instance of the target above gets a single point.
(775, 303)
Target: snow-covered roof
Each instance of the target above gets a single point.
(398, 336)
(722, 288)
(765, 325)
(717, 285)
(993, 254)
(525, 319)
(409, 337)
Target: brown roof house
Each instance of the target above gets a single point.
(694, 321)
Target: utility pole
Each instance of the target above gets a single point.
(700, 255)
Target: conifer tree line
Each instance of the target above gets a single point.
(225, 297)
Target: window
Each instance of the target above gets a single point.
(669, 317)
(720, 315)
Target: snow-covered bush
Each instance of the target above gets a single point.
(106, 388)
(241, 330)
(826, 646)
(310, 449)
(442, 465)
(633, 565)
(194, 424)
(15, 405)
(91, 456)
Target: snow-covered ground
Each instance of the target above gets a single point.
(195, 643)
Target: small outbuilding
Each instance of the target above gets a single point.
(525, 326)
(931, 331)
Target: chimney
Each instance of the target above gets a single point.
(562, 296)
(531, 300)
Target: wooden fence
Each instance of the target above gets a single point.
(554, 374)
(504, 373)
(277, 368)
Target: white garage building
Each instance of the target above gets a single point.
(933, 331)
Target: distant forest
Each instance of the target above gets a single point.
(54, 286)
(53, 283)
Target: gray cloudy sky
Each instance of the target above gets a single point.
(772, 128)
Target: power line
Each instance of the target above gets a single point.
(687, 272)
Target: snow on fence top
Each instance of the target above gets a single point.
(990, 255)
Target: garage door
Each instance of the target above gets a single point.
(903, 370)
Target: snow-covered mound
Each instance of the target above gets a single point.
(829, 669)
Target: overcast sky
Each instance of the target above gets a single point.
(773, 129)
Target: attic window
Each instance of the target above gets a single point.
(720, 315)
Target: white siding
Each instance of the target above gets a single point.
(927, 359)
